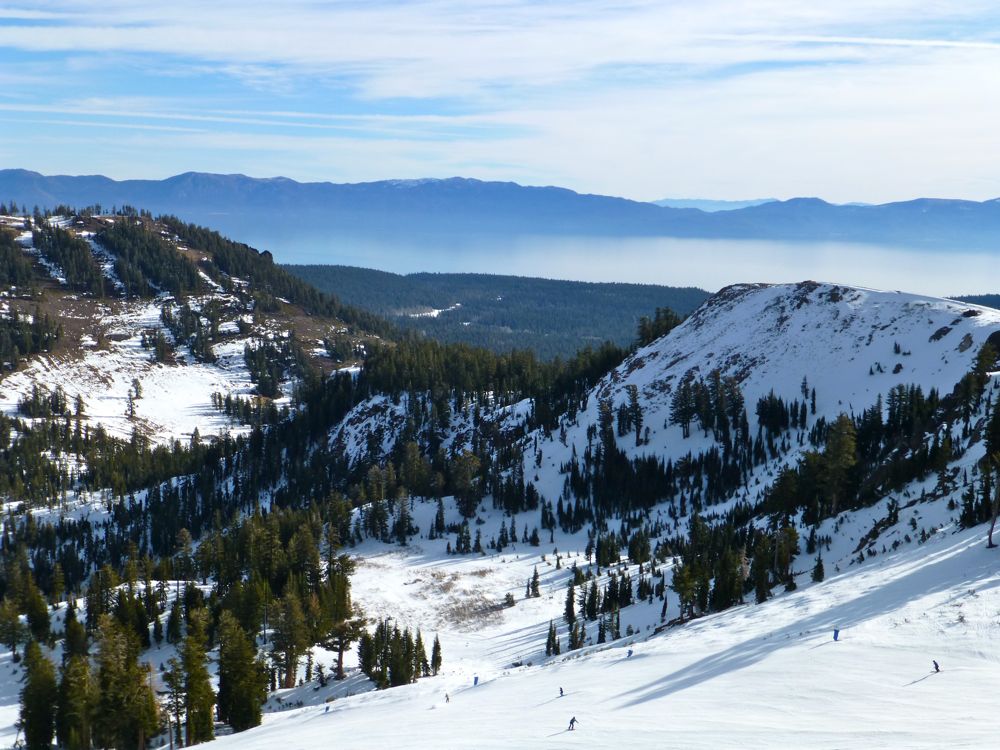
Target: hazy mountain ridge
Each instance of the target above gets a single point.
(235, 204)
(708, 205)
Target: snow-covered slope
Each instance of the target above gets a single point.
(101, 357)
(756, 676)
(852, 345)
(904, 585)
(176, 397)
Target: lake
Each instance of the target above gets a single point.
(709, 264)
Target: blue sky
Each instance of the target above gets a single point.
(848, 100)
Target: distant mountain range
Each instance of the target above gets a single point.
(235, 204)
(710, 206)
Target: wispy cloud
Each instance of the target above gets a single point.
(858, 99)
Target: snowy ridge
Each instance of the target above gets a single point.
(768, 338)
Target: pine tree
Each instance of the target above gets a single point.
(570, 612)
(436, 656)
(242, 676)
(37, 610)
(818, 574)
(760, 569)
(174, 622)
(38, 697)
(403, 526)
(421, 667)
(839, 458)
(535, 584)
(76, 704)
(74, 636)
(12, 632)
(173, 681)
(198, 693)
(991, 462)
(58, 584)
(125, 713)
(593, 603)
(157, 631)
(290, 637)
(439, 525)
(339, 638)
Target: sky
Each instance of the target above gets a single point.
(849, 100)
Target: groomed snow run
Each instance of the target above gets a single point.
(757, 676)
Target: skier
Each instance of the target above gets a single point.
(936, 667)
(629, 654)
(572, 724)
(447, 698)
(560, 692)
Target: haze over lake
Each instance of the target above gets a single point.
(709, 264)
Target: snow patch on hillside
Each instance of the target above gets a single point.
(176, 398)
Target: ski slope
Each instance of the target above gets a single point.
(765, 675)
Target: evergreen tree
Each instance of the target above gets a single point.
(760, 569)
(991, 463)
(242, 676)
(12, 632)
(174, 622)
(570, 612)
(439, 525)
(38, 698)
(466, 483)
(839, 458)
(125, 713)
(198, 694)
(340, 637)
(290, 638)
(436, 656)
(76, 704)
(421, 667)
(74, 636)
(37, 610)
(173, 681)
(817, 573)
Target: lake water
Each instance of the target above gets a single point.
(709, 264)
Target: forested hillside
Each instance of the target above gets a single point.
(986, 300)
(551, 318)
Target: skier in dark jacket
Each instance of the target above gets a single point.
(560, 692)
(936, 667)
(572, 724)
